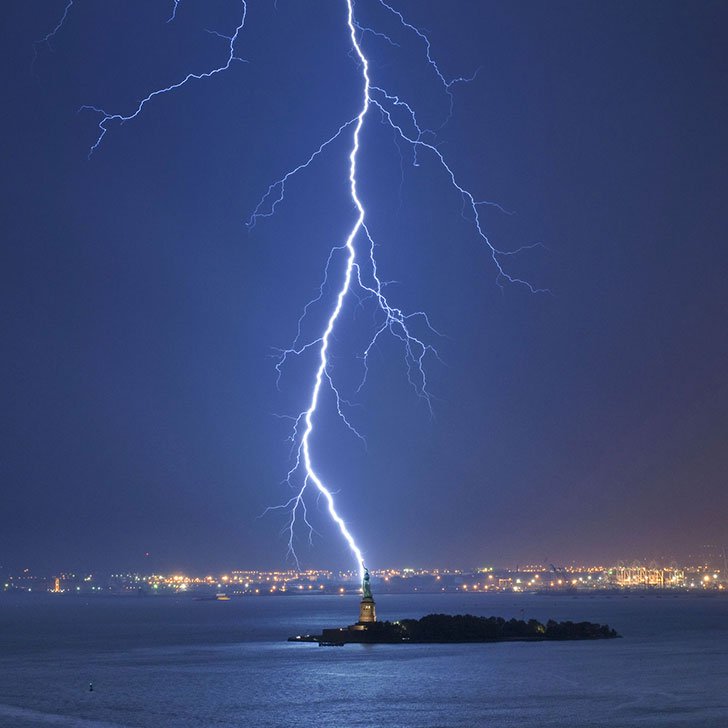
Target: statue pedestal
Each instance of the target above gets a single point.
(367, 611)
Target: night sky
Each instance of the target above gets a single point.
(139, 314)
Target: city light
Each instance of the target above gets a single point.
(534, 578)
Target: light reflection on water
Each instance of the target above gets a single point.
(159, 662)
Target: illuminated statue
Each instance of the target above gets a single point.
(367, 609)
(366, 588)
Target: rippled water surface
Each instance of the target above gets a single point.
(159, 662)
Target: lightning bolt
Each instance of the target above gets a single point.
(107, 117)
(174, 10)
(360, 277)
(46, 39)
(394, 320)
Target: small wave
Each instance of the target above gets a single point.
(36, 716)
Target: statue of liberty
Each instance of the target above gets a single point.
(366, 588)
(367, 608)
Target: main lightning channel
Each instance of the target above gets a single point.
(395, 321)
(305, 448)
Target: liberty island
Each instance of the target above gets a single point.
(444, 628)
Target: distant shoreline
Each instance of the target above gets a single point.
(548, 594)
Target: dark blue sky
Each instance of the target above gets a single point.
(138, 313)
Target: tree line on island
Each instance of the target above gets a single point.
(468, 628)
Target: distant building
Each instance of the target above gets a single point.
(647, 576)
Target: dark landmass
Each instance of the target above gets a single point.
(461, 628)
